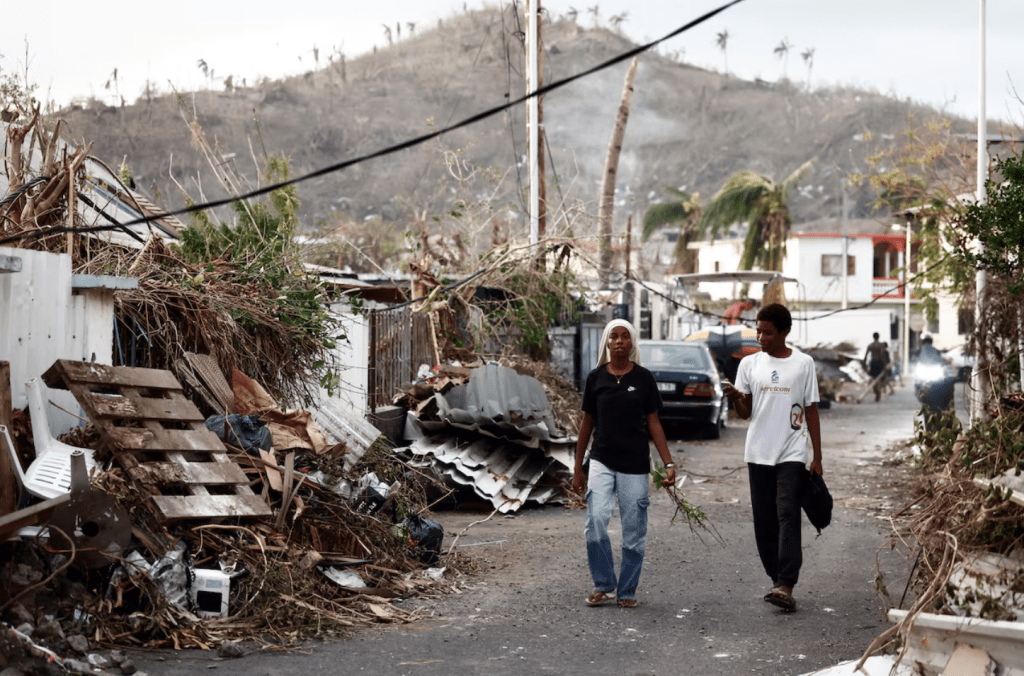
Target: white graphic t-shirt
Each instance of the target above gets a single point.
(782, 390)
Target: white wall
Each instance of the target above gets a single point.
(852, 326)
(803, 261)
(948, 335)
(352, 357)
(43, 319)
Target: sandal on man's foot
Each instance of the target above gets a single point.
(782, 600)
(598, 598)
(768, 596)
(628, 603)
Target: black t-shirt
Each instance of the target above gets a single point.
(621, 441)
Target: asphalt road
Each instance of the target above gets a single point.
(701, 609)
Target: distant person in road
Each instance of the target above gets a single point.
(876, 358)
(620, 411)
(777, 389)
(928, 353)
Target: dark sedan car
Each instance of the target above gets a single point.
(688, 381)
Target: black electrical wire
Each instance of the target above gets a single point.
(472, 119)
(20, 191)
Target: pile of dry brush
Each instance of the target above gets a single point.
(953, 521)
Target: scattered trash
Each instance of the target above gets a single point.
(425, 537)
(247, 432)
(343, 577)
(371, 495)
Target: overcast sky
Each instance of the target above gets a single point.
(927, 50)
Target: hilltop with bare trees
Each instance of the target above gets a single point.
(689, 128)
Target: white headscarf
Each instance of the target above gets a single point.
(605, 355)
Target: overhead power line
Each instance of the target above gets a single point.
(472, 119)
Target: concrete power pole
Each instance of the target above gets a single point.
(981, 378)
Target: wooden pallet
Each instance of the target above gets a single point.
(159, 437)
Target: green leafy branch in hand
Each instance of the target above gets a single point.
(695, 516)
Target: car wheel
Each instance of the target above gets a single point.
(712, 430)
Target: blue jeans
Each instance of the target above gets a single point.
(775, 492)
(603, 485)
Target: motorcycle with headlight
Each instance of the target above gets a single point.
(934, 383)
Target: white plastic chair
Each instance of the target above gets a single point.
(49, 475)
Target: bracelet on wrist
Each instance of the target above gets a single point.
(669, 464)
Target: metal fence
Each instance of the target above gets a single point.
(400, 340)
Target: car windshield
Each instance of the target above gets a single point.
(683, 357)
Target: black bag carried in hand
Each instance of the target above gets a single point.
(817, 501)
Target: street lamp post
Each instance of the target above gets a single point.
(906, 297)
(906, 305)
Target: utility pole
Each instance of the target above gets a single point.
(846, 243)
(981, 382)
(533, 119)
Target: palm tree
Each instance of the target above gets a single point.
(808, 56)
(723, 40)
(761, 202)
(783, 51)
(684, 211)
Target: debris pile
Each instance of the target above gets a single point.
(965, 529)
(221, 538)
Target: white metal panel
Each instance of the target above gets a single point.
(37, 318)
(352, 357)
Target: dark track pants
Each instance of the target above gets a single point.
(775, 498)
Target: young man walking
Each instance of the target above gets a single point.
(777, 389)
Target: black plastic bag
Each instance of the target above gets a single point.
(247, 432)
(425, 536)
(817, 501)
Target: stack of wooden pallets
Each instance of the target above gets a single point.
(159, 437)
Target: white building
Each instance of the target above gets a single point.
(870, 290)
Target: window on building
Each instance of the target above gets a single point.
(717, 265)
(832, 265)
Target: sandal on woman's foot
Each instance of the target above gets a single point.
(782, 600)
(628, 603)
(598, 598)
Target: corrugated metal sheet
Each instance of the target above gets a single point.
(519, 455)
(500, 403)
(506, 474)
(340, 423)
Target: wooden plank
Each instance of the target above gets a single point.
(139, 408)
(178, 507)
(66, 371)
(31, 516)
(165, 440)
(204, 473)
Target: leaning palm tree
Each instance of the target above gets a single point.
(683, 211)
(761, 202)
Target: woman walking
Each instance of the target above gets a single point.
(620, 411)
